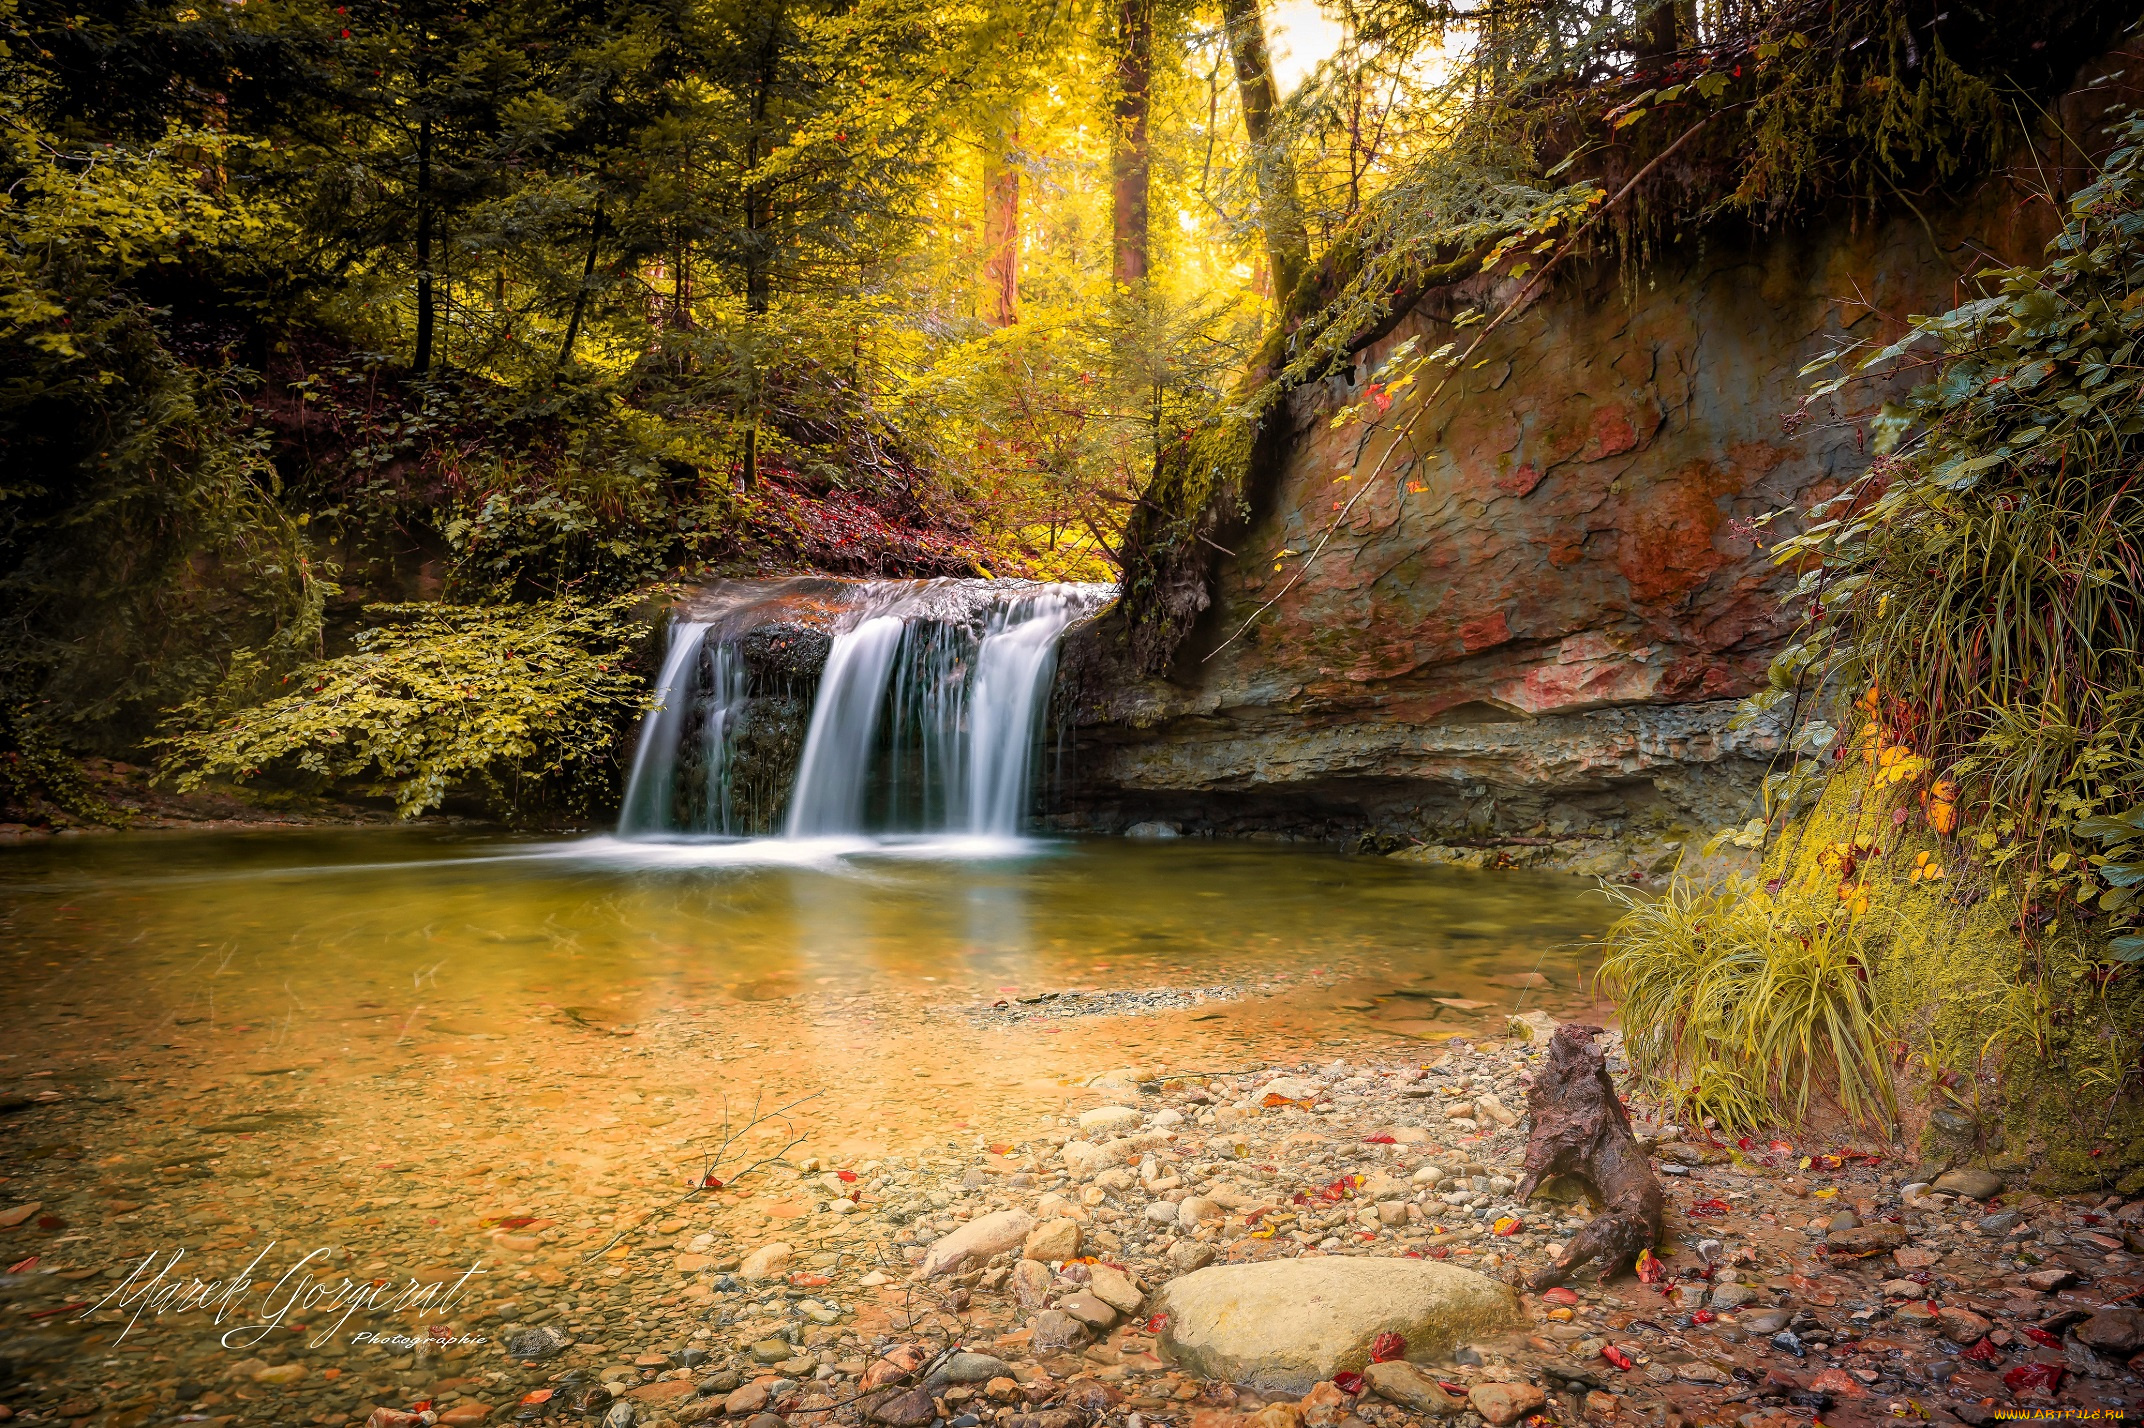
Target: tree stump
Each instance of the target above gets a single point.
(1580, 1129)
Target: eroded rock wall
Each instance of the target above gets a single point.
(1537, 599)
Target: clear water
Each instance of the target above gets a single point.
(144, 937)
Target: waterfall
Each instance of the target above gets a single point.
(926, 716)
(647, 789)
(1012, 684)
(829, 793)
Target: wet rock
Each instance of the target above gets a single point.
(1030, 1283)
(1057, 1332)
(1052, 1240)
(748, 1399)
(977, 1240)
(539, 1343)
(280, 1376)
(2047, 1281)
(972, 1368)
(1505, 1403)
(766, 1262)
(905, 1410)
(1324, 1406)
(1089, 1310)
(1193, 1210)
(1868, 1239)
(766, 1420)
(1732, 1296)
(1401, 1382)
(1110, 1120)
(772, 1351)
(1115, 1288)
(1048, 1418)
(1974, 1184)
(1961, 1326)
(1997, 1225)
(2113, 1330)
(622, 1414)
(1288, 1324)
(1188, 1255)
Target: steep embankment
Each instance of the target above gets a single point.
(1527, 633)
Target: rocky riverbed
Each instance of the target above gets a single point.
(1249, 1245)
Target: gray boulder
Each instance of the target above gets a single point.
(1287, 1325)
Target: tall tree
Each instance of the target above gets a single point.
(1132, 154)
(1001, 223)
(1280, 202)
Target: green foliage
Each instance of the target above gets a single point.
(524, 703)
(1747, 1005)
(1986, 574)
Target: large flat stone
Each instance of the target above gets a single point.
(977, 1240)
(1289, 1324)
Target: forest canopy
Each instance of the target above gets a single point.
(306, 307)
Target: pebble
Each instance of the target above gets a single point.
(1973, 1184)
(1501, 1404)
(1410, 1387)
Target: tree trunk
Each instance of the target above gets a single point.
(1131, 159)
(422, 362)
(1001, 229)
(1579, 1128)
(758, 279)
(1658, 33)
(580, 296)
(1280, 205)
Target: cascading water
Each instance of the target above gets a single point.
(926, 716)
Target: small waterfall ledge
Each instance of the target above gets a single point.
(817, 708)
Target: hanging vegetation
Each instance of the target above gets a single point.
(1963, 834)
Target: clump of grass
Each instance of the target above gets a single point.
(1744, 1003)
(1836, 980)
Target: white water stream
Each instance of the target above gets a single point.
(927, 716)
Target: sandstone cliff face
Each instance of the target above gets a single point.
(1538, 599)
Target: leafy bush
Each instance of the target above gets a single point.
(522, 702)
(1984, 579)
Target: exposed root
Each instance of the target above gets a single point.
(1580, 1128)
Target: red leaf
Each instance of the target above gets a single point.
(25, 1267)
(541, 1395)
(1386, 1347)
(1982, 1353)
(62, 1309)
(1617, 1357)
(1348, 1383)
(2030, 1376)
(1703, 1316)
(846, 1177)
(2041, 1337)
(1710, 1209)
(1156, 1324)
(518, 1222)
(1379, 1140)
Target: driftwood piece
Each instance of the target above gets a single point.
(1580, 1129)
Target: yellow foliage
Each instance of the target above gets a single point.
(1867, 949)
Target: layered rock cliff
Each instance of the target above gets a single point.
(1536, 601)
